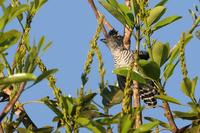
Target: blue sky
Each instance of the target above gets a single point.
(70, 24)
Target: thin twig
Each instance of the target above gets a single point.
(20, 111)
(170, 118)
(1, 129)
(98, 14)
(127, 31)
(12, 102)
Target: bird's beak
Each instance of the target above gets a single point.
(104, 40)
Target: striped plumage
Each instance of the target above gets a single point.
(124, 58)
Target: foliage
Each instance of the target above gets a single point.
(73, 113)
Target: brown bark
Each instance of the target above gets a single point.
(170, 118)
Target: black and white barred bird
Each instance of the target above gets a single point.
(124, 58)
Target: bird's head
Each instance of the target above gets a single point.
(114, 40)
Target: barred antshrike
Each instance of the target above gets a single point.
(124, 58)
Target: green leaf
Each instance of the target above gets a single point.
(110, 120)
(30, 63)
(194, 82)
(91, 125)
(174, 52)
(128, 16)
(112, 10)
(161, 123)
(51, 105)
(86, 99)
(41, 42)
(48, 45)
(126, 123)
(150, 69)
(168, 99)
(186, 115)
(165, 21)
(18, 10)
(186, 86)
(161, 3)
(135, 7)
(7, 39)
(12, 12)
(160, 52)
(36, 5)
(146, 127)
(168, 71)
(123, 71)
(69, 104)
(46, 129)
(1, 67)
(155, 14)
(119, 11)
(112, 97)
(43, 76)
(17, 78)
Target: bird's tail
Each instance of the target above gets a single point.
(147, 91)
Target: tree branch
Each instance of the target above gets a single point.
(98, 14)
(12, 102)
(127, 31)
(1, 129)
(20, 112)
(170, 117)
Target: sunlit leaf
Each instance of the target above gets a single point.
(12, 12)
(17, 78)
(110, 120)
(150, 69)
(155, 14)
(168, 99)
(126, 123)
(43, 76)
(51, 105)
(48, 45)
(146, 127)
(112, 10)
(165, 21)
(161, 123)
(135, 7)
(161, 3)
(41, 42)
(119, 11)
(8, 39)
(30, 63)
(1, 67)
(169, 69)
(18, 10)
(86, 99)
(128, 16)
(123, 71)
(160, 52)
(186, 115)
(194, 82)
(46, 129)
(36, 5)
(91, 125)
(186, 86)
